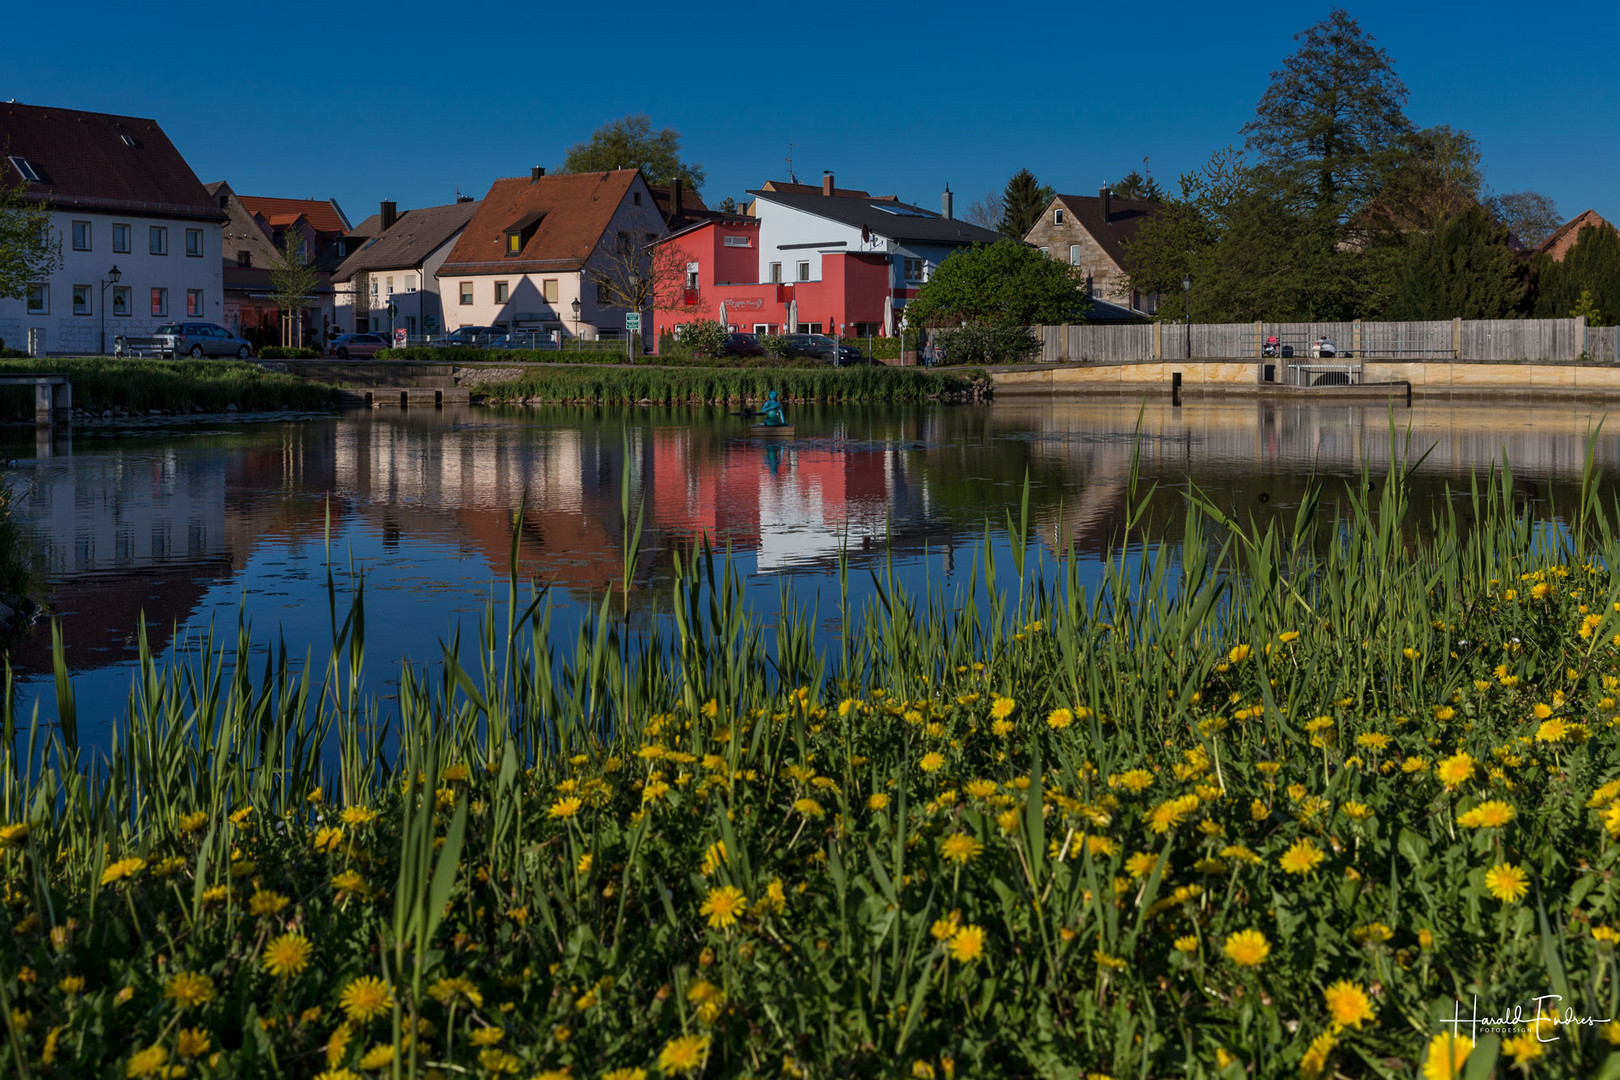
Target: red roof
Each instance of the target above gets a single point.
(564, 217)
(98, 161)
(323, 215)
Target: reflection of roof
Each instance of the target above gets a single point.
(894, 219)
(577, 206)
(415, 235)
(99, 161)
(323, 215)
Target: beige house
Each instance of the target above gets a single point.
(1089, 231)
(539, 244)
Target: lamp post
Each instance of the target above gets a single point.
(1186, 289)
(111, 279)
(575, 306)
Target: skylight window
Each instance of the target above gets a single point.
(899, 211)
(23, 167)
(127, 140)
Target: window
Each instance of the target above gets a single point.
(501, 292)
(736, 241)
(804, 270)
(39, 299)
(776, 273)
(158, 239)
(1057, 216)
(635, 197)
(22, 166)
(466, 292)
(121, 303)
(81, 299)
(194, 303)
(160, 302)
(121, 239)
(1045, 250)
(602, 296)
(390, 285)
(548, 290)
(692, 276)
(914, 269)
(1074, 254)
(514, 243)
(627, 244)
(81, 236)
(194, 243)
(244, 257)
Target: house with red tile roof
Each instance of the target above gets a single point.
(120, 195)
(390, 279)
(540, 245)
(1558, 244)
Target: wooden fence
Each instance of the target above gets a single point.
(1480, 341)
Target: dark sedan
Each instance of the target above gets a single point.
(825, 348)
(742, 345)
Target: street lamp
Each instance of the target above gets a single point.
(1186, 289)
(111, 279)
(575, 306)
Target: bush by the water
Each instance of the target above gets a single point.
(138, 385)
(1266, 807)
(720, 385)
(985, 343)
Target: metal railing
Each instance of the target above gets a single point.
(1324, 374)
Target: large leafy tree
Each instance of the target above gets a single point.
(1463, 269)
(1002, 284)
(1529, 215)
(29, 252)
(1022, 203)
(631, 143)
(1591, 266)
(1331, 122)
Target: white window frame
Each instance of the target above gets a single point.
(157, 239)
(82, 297)
(738, 241)
(803, 270)
(192, 234)
(921, 266)
(122, 292)
(43, 296)
(120, 246)
(466, 292)
(83, 226)
(1057, 215)
(1074, 254)
(549, 290)
(24, 169)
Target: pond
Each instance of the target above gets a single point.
(187, 523)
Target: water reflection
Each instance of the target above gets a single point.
(185, 521)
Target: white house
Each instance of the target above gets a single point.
(390, 278)
(140, 236)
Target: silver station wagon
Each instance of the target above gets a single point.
(199, 339)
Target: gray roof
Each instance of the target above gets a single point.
(885, 217)
(414, 236)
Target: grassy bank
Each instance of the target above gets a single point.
(139, 385)
(704, 385)
(1266, 807)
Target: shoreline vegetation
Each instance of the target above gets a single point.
(135, 386)
(1267, 805)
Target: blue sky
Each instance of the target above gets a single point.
(413, 101)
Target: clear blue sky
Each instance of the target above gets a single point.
(413, 100)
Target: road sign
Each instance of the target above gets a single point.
(399, 338)
(632, 320)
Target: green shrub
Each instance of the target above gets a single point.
(725, 384)
(139, 385)
(774, 344)
(986, 343)
(281, 352)
(706, 337)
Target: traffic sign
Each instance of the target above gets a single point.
(632, 320)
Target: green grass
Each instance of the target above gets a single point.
(708, 385)
(1159, 827)
(139, 385)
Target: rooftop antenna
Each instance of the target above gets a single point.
(792, 179)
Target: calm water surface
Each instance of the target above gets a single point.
(188, 523)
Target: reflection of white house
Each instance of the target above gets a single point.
(120, 195)
(808, 511)
(476, 468)
(394, 259)
(110, 512)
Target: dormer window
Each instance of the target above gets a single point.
(520, 232)
(22, 165)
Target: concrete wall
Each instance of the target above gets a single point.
(140, 272)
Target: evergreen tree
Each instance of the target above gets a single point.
(1464, 269)
(1327, 127)
(1134, 185)
(1021, 204)
(1592, 266)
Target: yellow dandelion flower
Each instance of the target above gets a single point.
(723, 905)
(378, 1057)
(328, 840)
(1302, 857)
(1552, 731)
(1238, 654)
(565, 807)
(499, 1061)
(931, 761)
(1445, 1057)
(1058, 719)
(358, 815)
(1187, 943)
(123, 868)
(189, 989)
(1248, 948)
(192, 1042)
(266, 902)
(287, 955)
(1136, 780)
(487, 1036)
(148, 1062)
(348, 881)
(1313, 1066)
(1507, 882)
(961, 848)
(193, 823)
(366, 997)
(684, 1054)
(1455, 770)
(877, 802)
(1348, 1004)
(1002, 707)
(967, 944)
(447, 990)
(1522, 1048)
(1487, 815)
(809, 808)
(1141, 864)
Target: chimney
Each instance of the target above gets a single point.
(947, 205)
(390, 214)
(675, 200)
(1107, 203)
(536, 173)
(826, 183)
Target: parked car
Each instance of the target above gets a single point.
(356, 346)
(742, 345)
(824, 348)
(524, 339)
(199, 339)
(469, 335)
